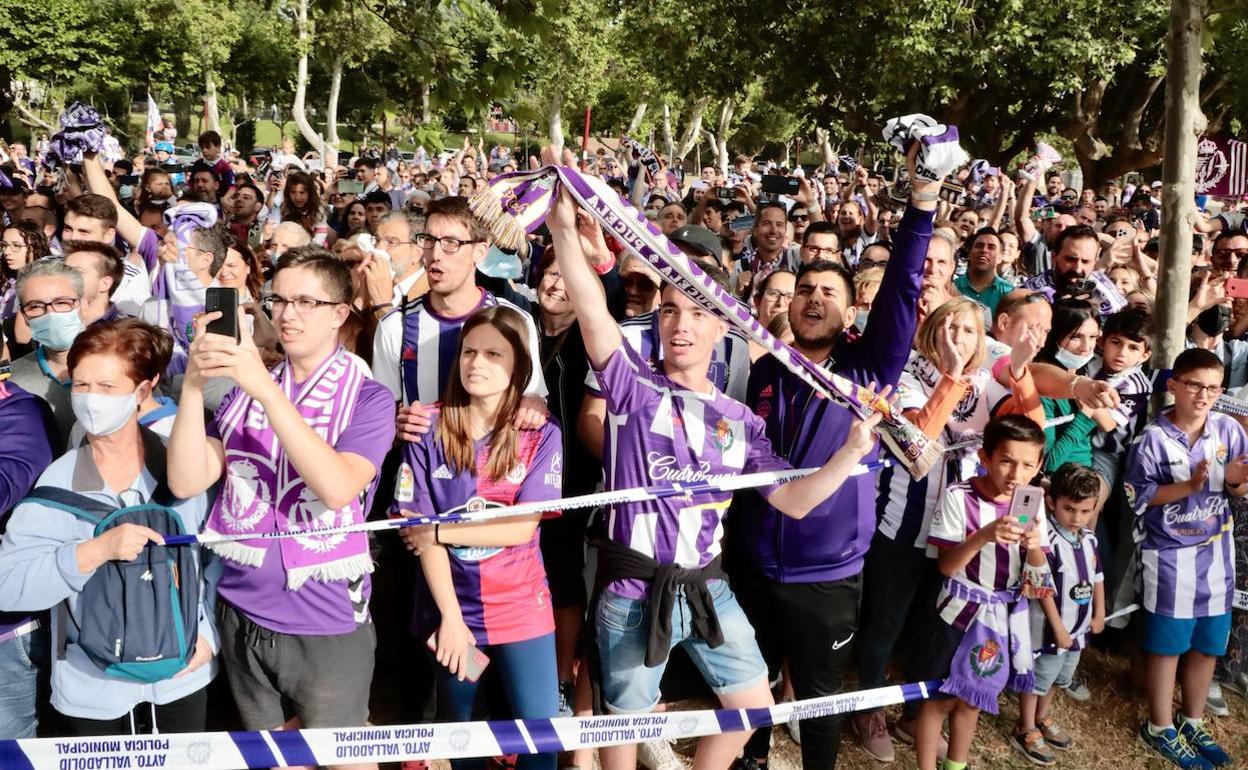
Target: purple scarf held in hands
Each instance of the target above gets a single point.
(515, 204)
(82, 129)
(263, 492)
(995, 653)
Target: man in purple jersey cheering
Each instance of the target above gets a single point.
(660, 565)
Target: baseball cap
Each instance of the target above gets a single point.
(697, 238)
(164, 147)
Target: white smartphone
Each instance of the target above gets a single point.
(1026, 507)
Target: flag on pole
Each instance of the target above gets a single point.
(154, 122)
(1221, 166)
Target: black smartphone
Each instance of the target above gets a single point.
(780, 185)
(726, 193)
(130, 179)
(225, 300)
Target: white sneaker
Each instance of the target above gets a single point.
(1215, 703)
(658, 755)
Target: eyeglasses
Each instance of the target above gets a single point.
(775, 295)
(869, 264)
(59, 305)
(1195, 388)
(800, 218)
(822, 252)
(392, 242)
(274, 304)
(12, 245)
(447, 245)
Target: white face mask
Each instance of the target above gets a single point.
(102, 414)
(1072, 360)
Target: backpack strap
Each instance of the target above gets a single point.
(83, 507)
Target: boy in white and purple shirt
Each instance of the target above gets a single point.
(1180, 474)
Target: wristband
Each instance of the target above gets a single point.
(605, 267)
(1073, 383)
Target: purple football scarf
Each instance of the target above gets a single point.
(81, 129)
(264, 493)
(515, 204)
(995, 652)
(177, 292)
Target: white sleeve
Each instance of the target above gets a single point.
(387, 349)
(949, 520)
(537, 380)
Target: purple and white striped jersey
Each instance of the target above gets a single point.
(1186, 548)
(414, 348)
(660, 433)
(1135, 388)
(1076, 569)
(904, 505)
(964, 511)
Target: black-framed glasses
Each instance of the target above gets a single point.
(446, 244)
(871, 264)
(35, 309)
(822, 252)
(800, 218)
(775, 295)
(274, 304)
(1195, 388)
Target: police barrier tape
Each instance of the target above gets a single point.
(279, 748)
(478, 510)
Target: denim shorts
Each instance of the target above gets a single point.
(630, 687)
(1055, 670)
(1176, 636)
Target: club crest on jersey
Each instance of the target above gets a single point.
(1222, 454)
(986, 659)
(722, 437)
(1129, 491)
(405, 485)
(763, 409)
(517, 473)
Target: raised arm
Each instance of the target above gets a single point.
(583, 287)
(1022, 211)
(97, 182)
(798, 497)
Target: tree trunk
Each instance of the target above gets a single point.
(1184, 123)
(331, 110)
(555, 121)
(825, 145)
(299, 110)
(785, 156)
(669, 145)
(721, 137)
(638, 115)
(693, 130)
(212, 114)
(182, 117)
(426, 112)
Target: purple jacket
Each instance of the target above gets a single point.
(830, 543)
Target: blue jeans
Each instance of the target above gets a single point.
(630, 687)
(23, 661)
(530, 680)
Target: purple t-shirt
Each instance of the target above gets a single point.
(1185, 546)
(316, 609)
(660, 433)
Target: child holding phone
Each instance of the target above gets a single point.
(1060, 624)
(981, 641)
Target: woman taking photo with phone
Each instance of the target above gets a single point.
(487, 579)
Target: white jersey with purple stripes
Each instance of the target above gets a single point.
(1076, 569)
(660, 433)
(964, 510)
(904, 506)
(1187, 553)
(414, 348)
(1135, 388)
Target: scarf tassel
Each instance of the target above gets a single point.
(246, 555)
(967, 692)
(1023, 681)
(349, 570)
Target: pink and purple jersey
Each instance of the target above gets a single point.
(1186, 550)
(660, 433)
(502, 592)
(964, 511)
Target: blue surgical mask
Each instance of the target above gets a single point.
(860, 319)
(56, 331)
(1072, 360)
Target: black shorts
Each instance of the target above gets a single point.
(563, 554)
(936, 650)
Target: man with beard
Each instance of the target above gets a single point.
(1072, 274)
(807, 574)
(980, 282)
